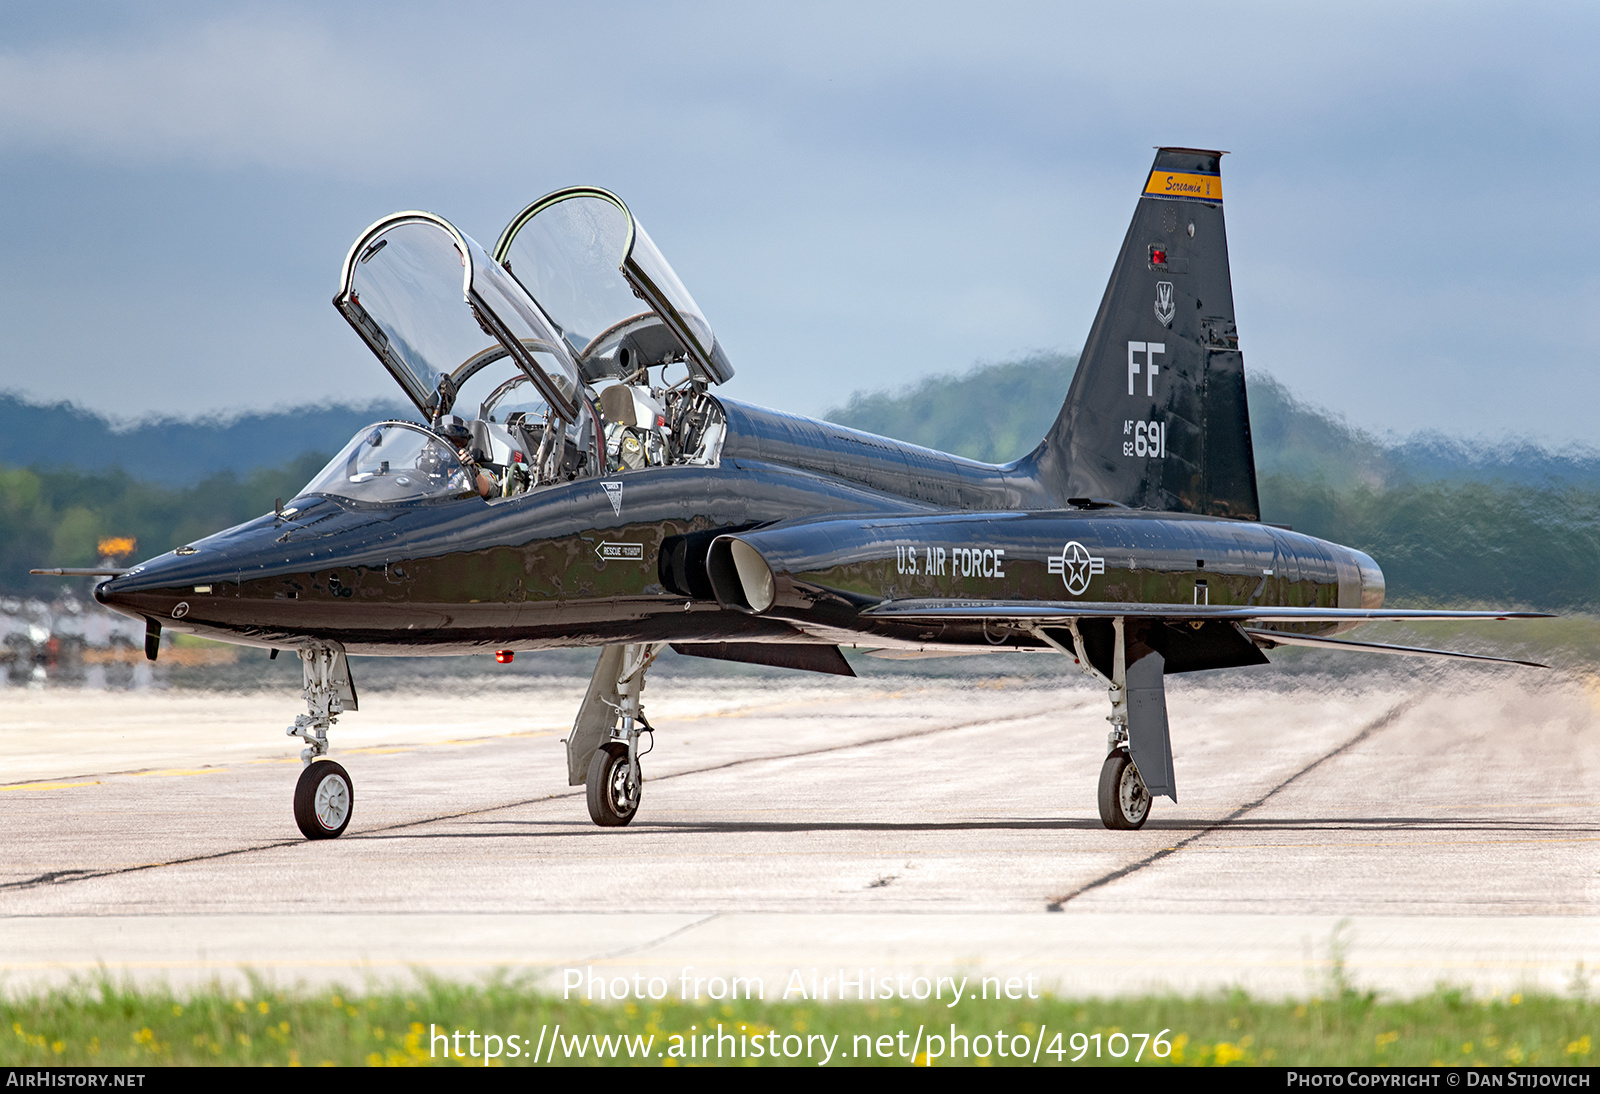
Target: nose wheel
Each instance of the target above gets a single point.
(1124, 800)
(613, 786)
(323, 800)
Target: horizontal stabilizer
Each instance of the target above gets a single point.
(1059, 612)
(783, 655)
(1277, 638)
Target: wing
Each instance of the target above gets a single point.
(1270, 638)
(1058, 612)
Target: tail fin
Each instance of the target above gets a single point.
(1156, 416)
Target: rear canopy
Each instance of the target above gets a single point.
(596, 273)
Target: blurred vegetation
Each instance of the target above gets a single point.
(125, 1027)
(994, 413)
(57, 517)
(1450, 521)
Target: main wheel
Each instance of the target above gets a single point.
(323, 800)
(612, 802)
(1124, 801)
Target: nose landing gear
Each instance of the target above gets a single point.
(323, 800)
(324, 797)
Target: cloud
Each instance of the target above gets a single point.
(238, 91)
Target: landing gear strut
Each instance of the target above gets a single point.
(603, 748)
(1138, 764)
(324, 797)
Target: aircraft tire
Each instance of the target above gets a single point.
(324, 799)
(1124, 801)
(609, 805)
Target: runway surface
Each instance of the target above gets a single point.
(1407, 832)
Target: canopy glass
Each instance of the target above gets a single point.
(598, 276)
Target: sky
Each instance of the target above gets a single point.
(858, 195)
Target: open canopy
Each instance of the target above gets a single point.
(581, 254)
(428, 301)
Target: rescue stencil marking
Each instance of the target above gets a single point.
(620, 550)
(1075, 564)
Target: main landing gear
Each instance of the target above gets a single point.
(324, 798)
(1138, 764)
(603, 748)
(1124, 800)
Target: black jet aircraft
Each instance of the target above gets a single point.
(574, 481)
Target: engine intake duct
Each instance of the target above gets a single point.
(740, 577)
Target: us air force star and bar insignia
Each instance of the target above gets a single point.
(1164, 305)
(614, 492)
(1075, 564)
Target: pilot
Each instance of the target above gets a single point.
(455, 431)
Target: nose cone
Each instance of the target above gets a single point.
(163, 586)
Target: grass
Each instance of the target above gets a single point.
(108, 1026)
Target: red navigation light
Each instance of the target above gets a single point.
(504, 656)
(1158, 256)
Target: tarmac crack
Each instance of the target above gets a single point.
(65, 877)
(1383, 720)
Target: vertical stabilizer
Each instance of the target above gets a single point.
(1156, 416)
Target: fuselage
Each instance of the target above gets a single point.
(621, 557)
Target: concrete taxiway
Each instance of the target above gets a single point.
(1400, 834)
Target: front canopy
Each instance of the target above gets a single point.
(394, 462)
(428, 301)
(598, 276)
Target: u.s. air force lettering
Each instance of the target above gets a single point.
(1075, 564)
(950, 561)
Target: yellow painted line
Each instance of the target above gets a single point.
(48, 786)
(174, 772)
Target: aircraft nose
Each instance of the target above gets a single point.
(156, 588)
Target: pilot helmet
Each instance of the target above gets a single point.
(454, 430)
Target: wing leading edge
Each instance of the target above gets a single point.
(1060, 613)
(1054, 612)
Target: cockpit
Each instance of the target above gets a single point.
(573, 351)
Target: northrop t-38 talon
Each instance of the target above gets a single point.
(578, 483)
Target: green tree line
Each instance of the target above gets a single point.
(58, 517)
(1518, 529)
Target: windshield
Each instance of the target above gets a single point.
(393, 462)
